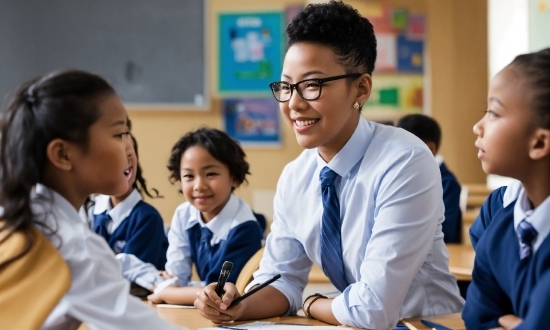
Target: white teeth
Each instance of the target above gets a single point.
(301, 123)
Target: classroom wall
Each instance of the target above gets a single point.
(457, 74)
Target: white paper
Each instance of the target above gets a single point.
(271, 326)
(173, 306)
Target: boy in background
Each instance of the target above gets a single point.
(428, 130)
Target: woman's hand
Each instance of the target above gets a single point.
(155, 298)
(215, 308)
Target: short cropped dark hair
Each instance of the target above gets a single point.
(424, 127)
(535, 67)
(340, 27)
(220, 145)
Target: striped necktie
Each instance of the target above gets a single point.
(527, 235)
(331, 240)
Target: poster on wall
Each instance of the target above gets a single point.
(252, 121)
(250, 52)
(398, 78)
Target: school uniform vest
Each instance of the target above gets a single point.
(247, 233)
(128, 237)
(524, 284)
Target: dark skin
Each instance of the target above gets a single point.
(326, 124)
(512, 143)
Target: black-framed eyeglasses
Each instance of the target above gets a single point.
(308, 89)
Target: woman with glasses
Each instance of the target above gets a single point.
(363, 201)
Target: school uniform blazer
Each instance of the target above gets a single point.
(136, 228)
(391, 206)
(501, 282)
(236, 237)
(99, 295)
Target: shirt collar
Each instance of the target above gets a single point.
(353, 151)
(43, 193)
(536, 217)
(220, 225)
(119, 212)
(439, 159)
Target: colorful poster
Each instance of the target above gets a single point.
(400, 37)
(396, 92)
(253, 121)
(250, 52)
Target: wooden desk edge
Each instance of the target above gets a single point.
(453, 321)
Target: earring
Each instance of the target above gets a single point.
(356, 105)
(360, 84)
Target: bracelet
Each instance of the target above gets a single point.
(307, 310)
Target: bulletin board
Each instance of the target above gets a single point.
(250, 52)
(398, 78)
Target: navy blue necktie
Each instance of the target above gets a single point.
(331, 240)
(204, 252)
(527, 236)
(101, 221)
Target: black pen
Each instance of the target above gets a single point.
(224, 274)
(256, 289)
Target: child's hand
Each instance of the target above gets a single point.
(509, 321)
(155, 298)
(215, 308)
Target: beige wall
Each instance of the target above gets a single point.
(457, 48)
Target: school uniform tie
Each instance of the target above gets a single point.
(331, 240)
(101, 221)
(204, 252)
(527, 235)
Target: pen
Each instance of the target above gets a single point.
(286, 323)
(256, 289)
(435, 326)
(224, 274)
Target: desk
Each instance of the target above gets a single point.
(192, 319)
(453, 321)
(461, 261)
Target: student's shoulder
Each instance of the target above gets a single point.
(183, 213)
(78, 243)
(144, 208)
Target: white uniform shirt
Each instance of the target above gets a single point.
(391, 207)
(178, 256)
(99, 295)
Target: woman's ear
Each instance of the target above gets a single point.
(57, 152)
(540, 144)
(364, 88)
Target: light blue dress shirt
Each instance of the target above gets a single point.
(392, 208)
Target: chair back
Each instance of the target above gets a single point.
(248, 270)
(32, 285)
